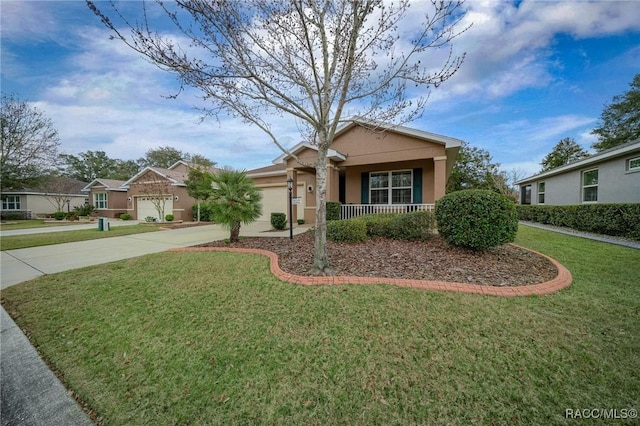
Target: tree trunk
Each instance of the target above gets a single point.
(320, 257)
(235, 232)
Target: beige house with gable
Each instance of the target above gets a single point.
(398, 169)
(140, 196)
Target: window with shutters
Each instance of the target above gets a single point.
(392, 187)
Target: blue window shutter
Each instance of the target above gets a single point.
(417, 186)
(364, 185)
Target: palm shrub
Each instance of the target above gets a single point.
(84, 210)
(476, 219)
(235, 200)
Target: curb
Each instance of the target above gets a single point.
(562, 280)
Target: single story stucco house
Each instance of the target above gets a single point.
(56, 194)
(610, 176)
(369, 169)
(139, 195)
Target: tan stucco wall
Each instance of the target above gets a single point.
(306, 211)
(116, 202)
(363, 147)
(43, 205)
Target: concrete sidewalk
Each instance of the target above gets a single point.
(30, 392)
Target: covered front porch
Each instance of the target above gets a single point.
(369, 170)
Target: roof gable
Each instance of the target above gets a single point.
(108, 184)
(341, 151)
(174, 177)
(377, 127)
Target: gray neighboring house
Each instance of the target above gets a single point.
(610, 176)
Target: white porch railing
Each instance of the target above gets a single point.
(348, 211)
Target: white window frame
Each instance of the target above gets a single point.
(390, 186)
(635, 168)
(11, 202)
(98, 201)
(593, 185)
(541, 194)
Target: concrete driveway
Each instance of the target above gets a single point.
(24, 264)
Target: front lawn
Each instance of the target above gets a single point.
(32, 223)
(213, 338)
(47, 238)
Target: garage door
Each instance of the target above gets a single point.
(275, 200)
(145, 208)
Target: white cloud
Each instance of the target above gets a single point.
(508, 48)
(26, 20)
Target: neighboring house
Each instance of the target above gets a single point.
(396, 170)
(610, 176)
(149, 192)
(107, 196)
(55, 194)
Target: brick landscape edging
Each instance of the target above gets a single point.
(562, 280)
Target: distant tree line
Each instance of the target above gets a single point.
(90, 165)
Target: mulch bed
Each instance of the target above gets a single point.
(432, 260)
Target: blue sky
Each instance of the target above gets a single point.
(535, 72)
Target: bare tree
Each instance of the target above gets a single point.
(58, 189)
(29, 144)
(310, 60)
(156, 189)
(504, 182)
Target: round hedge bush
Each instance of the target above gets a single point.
(476, 219)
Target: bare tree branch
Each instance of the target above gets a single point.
(305, 59)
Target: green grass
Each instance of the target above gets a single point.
(47, 238)
(32, 223)
(213, 338)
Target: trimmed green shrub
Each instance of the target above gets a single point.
(300, 221)
(168, 218)
(13, 215)
(278, 220)
(333, 210)
(379, 225)
(417, 225)
(476, 219)
(205, 212)
(59, 215)
(610, 219)
(125, 216)
(347, 231)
